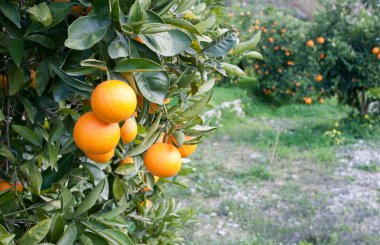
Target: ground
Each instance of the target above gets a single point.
(270, 176)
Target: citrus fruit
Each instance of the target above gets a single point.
(318, 78)
(95, 136)
(375, 50)
(185, 150)
(322, 56)
(101, 158)
(320, 40)
(310, 43)
(128, 131)
(113, 101)
(4, 185)
(308, 101)
(163, 160)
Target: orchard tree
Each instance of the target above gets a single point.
(100, 102)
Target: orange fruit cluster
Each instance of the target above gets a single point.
(376, 51)
(4, 185)
(97, 133)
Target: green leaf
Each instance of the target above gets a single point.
(28, 107)
(117, 187)
(153, 85)
(253, 55)
(57, 228)
(116, 211)
(136, 16)
(58, 11)
(34, 177)
(86, 31)
(167, 43)
(152, 28)
(42, 76)
(233, 70)
(179, 138)
(36, 234)
(16, 78)
(7, 239)
(126, 169)
(50, 176)
(16, 50)
(118, 48)
(206, 24)
(11, 12)
(95, 239)
(67, 202)
(5, 152)
(207, 86)
(28, 134)
(90, 199)
(53, 151)
(117, 237)
(41, 13)
(195, 109)
(249, 45)
(147, 142)
(216, 65)
(56, 132)
(99, 64)
(137, 65)
(185, 5)
(72, 82)
(221, 45)
(69, 237)
(43, 40)
(180, 23)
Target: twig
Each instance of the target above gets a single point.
(273, 158)
(8, 122)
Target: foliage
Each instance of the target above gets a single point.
(52, 55)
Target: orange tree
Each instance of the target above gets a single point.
(350, 64)
(100, 101)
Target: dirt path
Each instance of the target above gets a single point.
(242, 198)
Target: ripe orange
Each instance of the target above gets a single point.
(375, 50)
(320, 40)
(290, 63)
(155, 181)
(113, 101)
(126, 160)
(4, 185)
(271, 39)
(322, 56)
(287, 53)
(163, 160)
(310, 43)
(308, 101)
(128, 131)
(378, 56)
(101, 158)
(318, 78)
(321, 100)
(185, 150)
(33, 77)
(95, 136)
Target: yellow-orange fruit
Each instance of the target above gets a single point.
(113, 101)
(318, 78)
(378, 56)
(308, 101)
(185, 150)
(375, 50)
(310, 43)
(101, 158)
(163, 160)
(95, 136)
(128, 131)
(4, 185)
(322, 56)
(320, 40)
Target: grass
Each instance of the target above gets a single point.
(252, 165)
